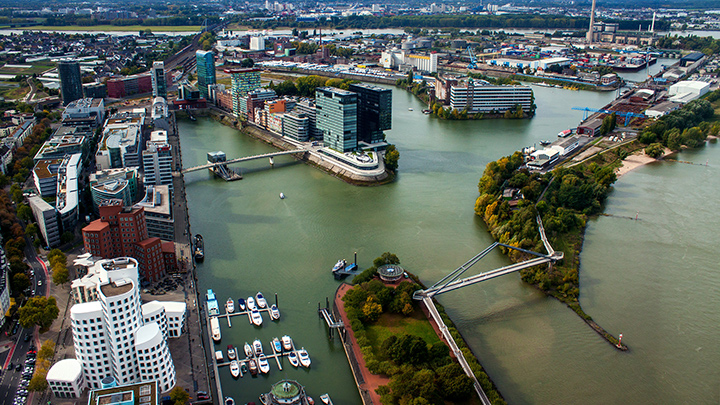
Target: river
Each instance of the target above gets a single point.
(535, 348)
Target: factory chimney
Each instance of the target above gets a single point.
(589, 37)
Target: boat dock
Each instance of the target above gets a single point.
(228, 315)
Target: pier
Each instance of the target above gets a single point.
(215, 163)
(329, 319)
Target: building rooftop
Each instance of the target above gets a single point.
(86, 308)
(117, 287)
(47, 168)
(65, 370)
(143, 393)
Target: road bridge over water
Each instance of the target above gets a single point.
(243, 159)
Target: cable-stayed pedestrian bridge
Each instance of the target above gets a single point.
(243, 159)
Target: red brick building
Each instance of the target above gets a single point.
(121, 231)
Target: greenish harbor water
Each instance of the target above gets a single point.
(654, 280)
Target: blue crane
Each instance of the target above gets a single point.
(628, 115)
(473, 59)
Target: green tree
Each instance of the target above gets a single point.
(247, 63)
(39, 311)
(24, 212)
(38, 383)
(32, 230)
(372, 310)
(67, 237)
(392, 157)
(386, 258)
(47, 350)
(60, 275)
(179, 396)
(20, 282)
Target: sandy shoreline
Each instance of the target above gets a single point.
(636, 160)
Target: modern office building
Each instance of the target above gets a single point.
(66, 140)
(205, 62)
(374, 112)
(121, 144)
(158, 212)
(47, 220)
(159, 82)
(70, 81)
(307, 107)
(122, 231)
(45, 176)
(86, 108)
(4, 286)
(253, 101)
(243, 82)
(296, 126)
(67, 200)
(65, 379)
(257, 42)
(336, 118)
(485, 98)
(111, 184)
(157, 160)
(123, 86)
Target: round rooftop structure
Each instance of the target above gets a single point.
(286, 392)
(391, 272)
(65, 370)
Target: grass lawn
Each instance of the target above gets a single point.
(36, 68)
(227, 81)
(394, 324)
(14, 93)
(169, 28)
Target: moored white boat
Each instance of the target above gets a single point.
(339, 265)
(253, 367)
(256, 317)
(251, 303)
(260, 299)
(257, 347)
(235, 368)
(229, 306)
(325, 398)
(264, 365)
(229, 401)
(293, 359)
(241, 303)
(287, 343)
(274, 312)
(304, 357)
(232, 354)
(248, 350)
(277, 347)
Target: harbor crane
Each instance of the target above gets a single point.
(473, 59)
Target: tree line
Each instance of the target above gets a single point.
(420, 372)
(707, 45)
(571, 195)
(688, 126)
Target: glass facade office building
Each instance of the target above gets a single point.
(336, 118)
(205, 61)
(70, 81)
(374, 112)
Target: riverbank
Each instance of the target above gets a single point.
(104, 28)
(336, 169)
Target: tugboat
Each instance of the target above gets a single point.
(199, 248)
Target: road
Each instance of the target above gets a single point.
(17, 348)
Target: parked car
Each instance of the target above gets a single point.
(18, 367)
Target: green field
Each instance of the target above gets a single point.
(394, 324)
(168, 28)
(14, 93)
(36, 68)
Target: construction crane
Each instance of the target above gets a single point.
(473, 59)
(628, 115)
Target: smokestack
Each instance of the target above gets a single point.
(652, 27)
(589, 37)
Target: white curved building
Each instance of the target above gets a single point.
(154, 357)
(65, 378)
(121, 306)
(154, 311)
(90, 341)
